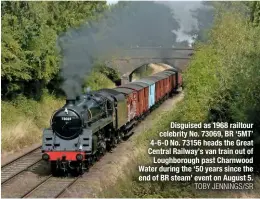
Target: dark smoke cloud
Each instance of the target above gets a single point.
(194, 17)
(143, 24)
(72, 87)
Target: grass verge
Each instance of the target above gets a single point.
(23, 120)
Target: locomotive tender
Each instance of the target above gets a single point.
(86, 127)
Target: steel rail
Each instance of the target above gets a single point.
(21, 156)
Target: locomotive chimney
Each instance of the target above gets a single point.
(70, 101)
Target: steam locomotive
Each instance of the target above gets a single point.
(95, 122)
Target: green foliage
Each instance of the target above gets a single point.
(255, 12)
(223, 74)
(30, 58)
(110, 73)
(23, 120)
(101, 77)
(141, 72)
(97, 80)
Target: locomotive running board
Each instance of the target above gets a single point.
(131, 132)
(130, 125)
(129, 128)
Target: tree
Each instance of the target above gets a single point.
(30, 58)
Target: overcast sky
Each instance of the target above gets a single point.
(111, 1)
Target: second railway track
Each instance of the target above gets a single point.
(51, 187)
(22, 178)
(29, 177)
(38, 187)
(20, 164)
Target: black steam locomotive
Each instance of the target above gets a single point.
(89, 125)
(84, 129)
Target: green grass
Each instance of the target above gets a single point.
(24, 119)
(142, 72)
(129, 185)
(98, 80)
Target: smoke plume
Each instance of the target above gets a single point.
(125, 25)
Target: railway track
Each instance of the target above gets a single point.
(20, 164)
(44, 187)
(21, 179)
(51, 187)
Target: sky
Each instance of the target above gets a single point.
(109, 2)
